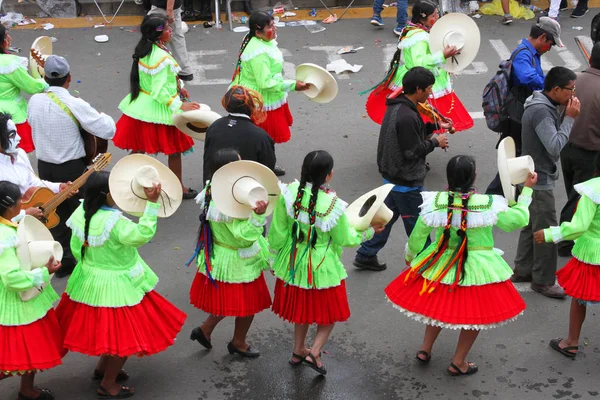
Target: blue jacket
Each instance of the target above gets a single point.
(524, 73)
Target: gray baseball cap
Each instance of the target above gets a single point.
(552, 28)
(56, 67)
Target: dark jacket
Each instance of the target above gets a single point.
(239, 133)
(402, 143)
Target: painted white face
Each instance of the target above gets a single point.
(13, 138)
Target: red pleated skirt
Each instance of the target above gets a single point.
(230, 299)
(149, 138)
(24, 131)
(278, 123)
(311, 306)
(449, 106)
(141, 330)
(475, 307)
(29, 348)
(580, 280)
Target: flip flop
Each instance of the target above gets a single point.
(472, 368)
(423, 360)
(299, 357)
(555, 344)
(313, 364)
(121, 376)
(124, 393)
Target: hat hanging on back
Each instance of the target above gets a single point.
(195, 123)
(323, 86)
(41, 48)
(512, 170)
(459, 30)
(369, 209)
(132, 174)
(35, 247)
(237, 187)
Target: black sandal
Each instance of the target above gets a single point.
(124, 393)
(313, 364)
(299, 357)
(555, 344)
(423, 360)
(45, 394)
(472, 368)
(122, 376)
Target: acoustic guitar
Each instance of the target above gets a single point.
(48, 201)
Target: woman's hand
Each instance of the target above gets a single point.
(261, 207)
(539, 237)
(153, 193)
(53, 265)
(450, 51)
(189, 106)
(185, 93)
(378, 228)
(531, 180)
(301, 86)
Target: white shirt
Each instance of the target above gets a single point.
(55, 135)
(20, 173)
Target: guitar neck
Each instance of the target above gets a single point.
(53, 203)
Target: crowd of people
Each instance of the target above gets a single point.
(455, 280)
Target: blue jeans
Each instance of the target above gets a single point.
(405, 205)
(402, 14)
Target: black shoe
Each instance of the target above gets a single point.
(64, 270)
(191, 194)
(250, 353)
(579, 12)
(279, 171)
(370, 263)
(564, 5)
(198, 334)
(186, 78)
(45, 394)
(190, 15)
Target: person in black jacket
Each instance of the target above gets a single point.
(403, 145)
(238, 131)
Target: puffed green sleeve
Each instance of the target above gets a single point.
(14, 278)
(21, 79)
(343, 234)
(517, 216)
(278, 231)
(250, 229)
(571, 230)
(417, 239)
(135, 235)
(266, 79)
(420, 56)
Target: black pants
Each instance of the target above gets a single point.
(577, 166)
(513, 130)
(65, 172)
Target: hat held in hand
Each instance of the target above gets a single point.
(512, 170)
(369, 209)
(458, 30)
(135, 172)
(237, 187)
(195, 123)
(36, 247)
(323, 86)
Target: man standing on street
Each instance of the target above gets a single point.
(526, 76)
(56, 118)
(577, 158)
(401, 15)
(545, 133)
(401, 153)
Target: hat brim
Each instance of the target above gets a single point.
(506, 151)
(42, 45)
(357, 217)
(468, 28)
(195, 123)
(224, 179)
(310, 73)
(120, 186)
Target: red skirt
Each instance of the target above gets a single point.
(144, 329)
(580, 280)
(311, 306)
(466, 307)
(230, 299)
(29, 348)
(449, 106)
(278, 123)
(24, 131)
(149, 138)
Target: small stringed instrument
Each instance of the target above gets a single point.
(48, 201)
(433, 114)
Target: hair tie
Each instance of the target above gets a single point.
(423, 15)
(86, 243)
(136, 58)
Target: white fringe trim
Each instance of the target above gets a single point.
(277, 104)
(38, 277)
(175, 68)
(588, 191)
(257, 222)
(18, 62)
(434, 322)
(368, 234)
(584, 261)
(324, 224)
(415, 38)
(556, 234)
(8, 243)
(272, 52)
(475, 219)
(249, 252)
(525, 200)
(214, 214)
(97, 240)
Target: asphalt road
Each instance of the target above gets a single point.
(372, 355)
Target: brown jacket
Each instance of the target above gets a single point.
(586, 130)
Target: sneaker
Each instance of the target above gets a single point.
(377, 21)
(279, 171)
(398, 31)
(507, 20)
(139, 2)
(564, 5)
(579, 12)
(551, 291)
(368, 263)
(518, 279)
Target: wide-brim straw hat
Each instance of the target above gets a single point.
(42, 47)
(458, 30)
(323, 86)
(512, 170)
(195, 123)
(369, 209)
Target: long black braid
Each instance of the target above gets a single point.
(95, 194)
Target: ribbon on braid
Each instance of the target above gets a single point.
(312, 232)
(238, 64)
(295, 232)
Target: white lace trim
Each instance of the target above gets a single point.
(434, 322)
(325, 225)
(96, 240)
(287, 86)
(588, 191)
(38, 277)
(254, 220)
(214, 214)
(272, 52)
(556, 234)
(8, 243)
(585, 262)
(408, 255)
(525, 200)
(415, 38)
(249, 252)
(20, 62)
(277, 104)
(475, 219)
(167, 62)
(368, 234)
(151, 211)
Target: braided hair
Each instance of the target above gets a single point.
(152, 28)
(10, 194)
(95, 192)
(257, 22)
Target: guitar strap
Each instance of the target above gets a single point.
(63, 107)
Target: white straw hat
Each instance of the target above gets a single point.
(323, 86)
(132, 174)
(369, 209)
(195, 123)
(35, 247)
(42, 48)
(458, 30)
(512, 170)
(237, 186)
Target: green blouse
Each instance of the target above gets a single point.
(484, 264)
(584, 228)
(334, 233)
(112, 274)
(14, 78)
(14, 311)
